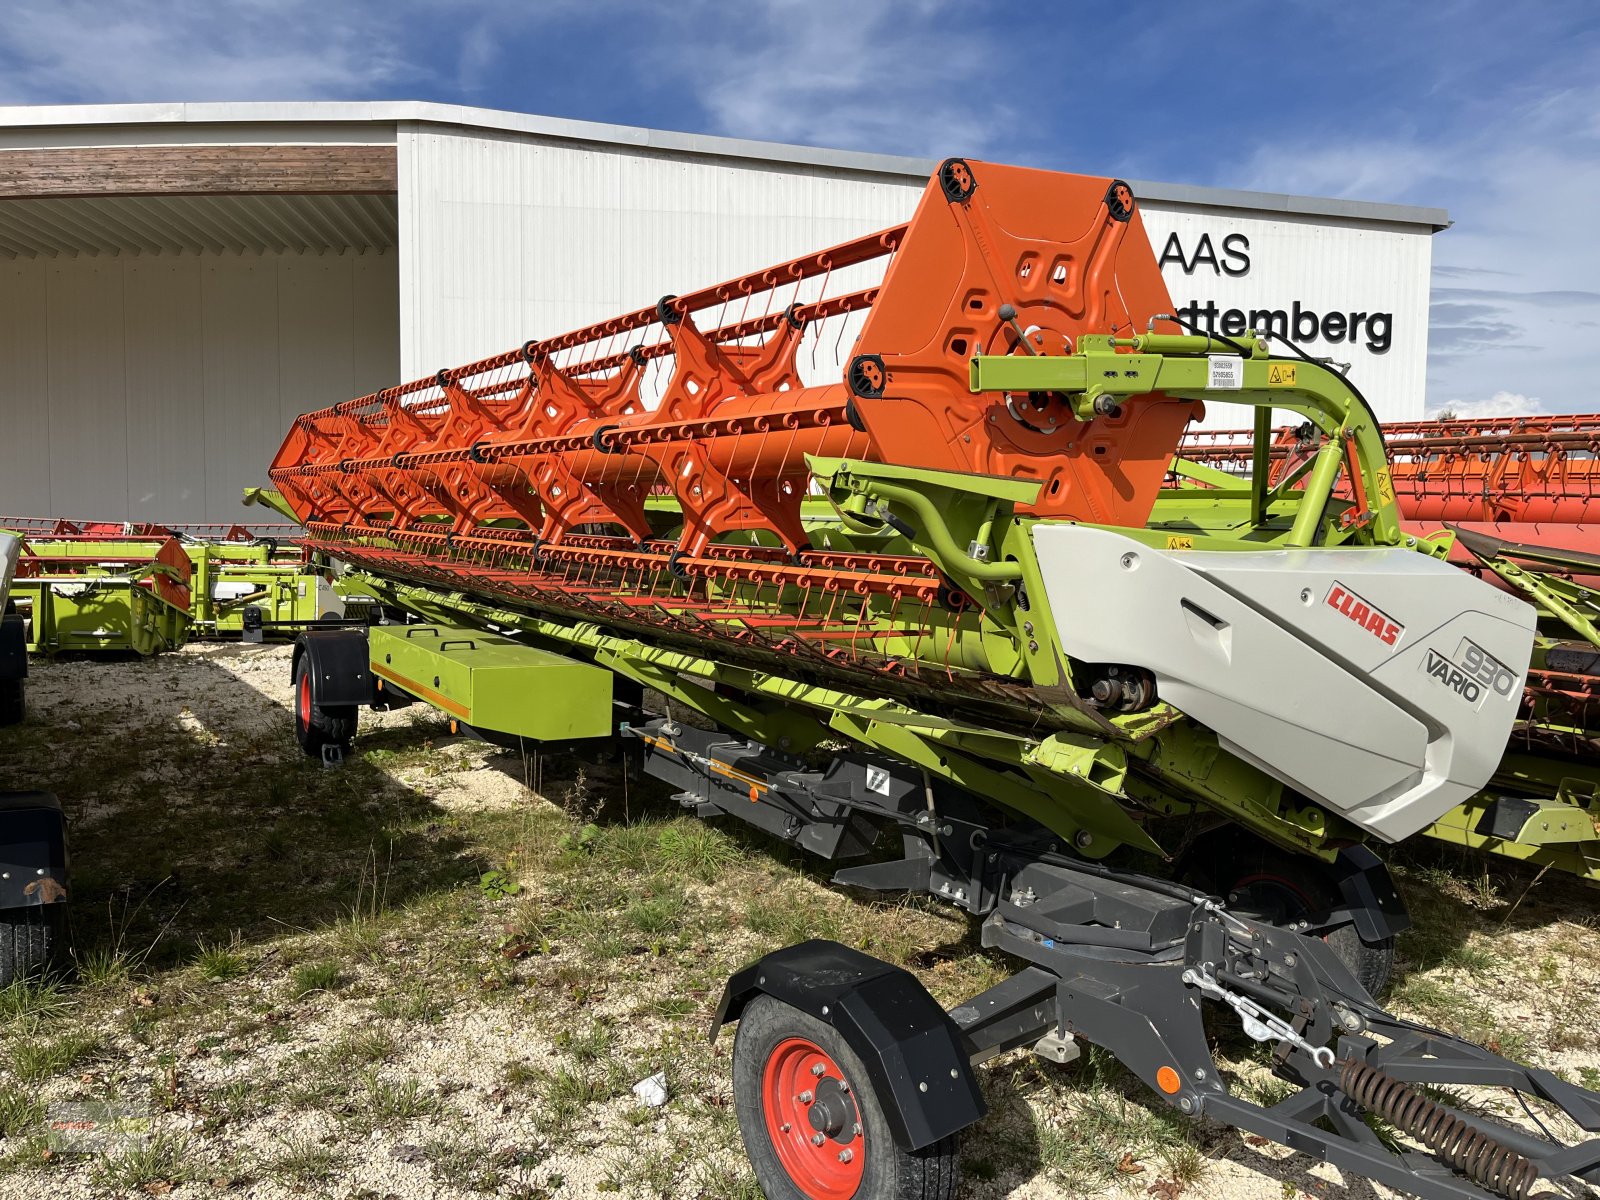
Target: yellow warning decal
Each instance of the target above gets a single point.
(1385, 487)
(1281, 374)
(1179, 541)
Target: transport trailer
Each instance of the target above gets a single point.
(259, 585)
(934, 593)
(255, 578)
(33, 834)
(86, 592)
(851, 1081)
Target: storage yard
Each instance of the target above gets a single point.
(303, 976)
(908, 720)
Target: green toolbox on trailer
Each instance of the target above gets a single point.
(483, 681)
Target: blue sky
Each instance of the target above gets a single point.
(1491, 110)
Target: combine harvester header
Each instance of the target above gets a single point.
(906, 497)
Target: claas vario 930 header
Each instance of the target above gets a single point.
(909, 496)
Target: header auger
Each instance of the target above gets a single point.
(892, 518)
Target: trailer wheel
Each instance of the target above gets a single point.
(317, 725)
(1280, 888)
(13, 701)
(29, 941)
(812, 1126)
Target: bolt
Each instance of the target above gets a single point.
(818, 1069)
(1186, 1105)
(817, 1139)
(954, 1074)
(804, 1097)
(846, 1155)
(857, 1128)
(786, 1127)
(922, 1087)
(1084, 839)
(824, 1010)
(1289, 960)
(1200, 1073)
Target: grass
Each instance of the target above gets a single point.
(218, 963)
(1113, 1129)
(160, 1159)
(362, 1047)
(311, 927)
(303, 1161)
(309, 978)
(388, 1101)
(41, 999)
(35, 1059)
(21, 1111)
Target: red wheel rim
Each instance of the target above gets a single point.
(804, 1094)
(1278, 881)
(305, 701)
(1287, 885)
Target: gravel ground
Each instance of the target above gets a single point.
(418, 976)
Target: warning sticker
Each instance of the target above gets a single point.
(1179, 541)
(1227, 372)
(1385, 487)
(878, 780)
(1281, 374)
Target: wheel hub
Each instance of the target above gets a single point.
(833, 1111)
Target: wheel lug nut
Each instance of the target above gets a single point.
(846, 1155)
(817, 1070)
(787, 1127)
(817, 1139)
(805, 1097)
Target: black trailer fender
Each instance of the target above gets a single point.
(915, 1056)
(1369, 894)
(33, 850)
(341, 670)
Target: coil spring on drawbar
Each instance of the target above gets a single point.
(1459, 1145)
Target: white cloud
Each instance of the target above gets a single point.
(1501, 404)
(147, 50)
(898, 76)
(1520, 188)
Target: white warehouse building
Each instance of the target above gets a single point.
(181, 280)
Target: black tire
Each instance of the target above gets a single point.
(772, 1037)
(1260, 880)
(317, 725)
(29, 941)
(13, 701)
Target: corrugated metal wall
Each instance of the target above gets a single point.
(157, 387)
(1327, 266)
(508, 238)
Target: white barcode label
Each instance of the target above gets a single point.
(1227, 371)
